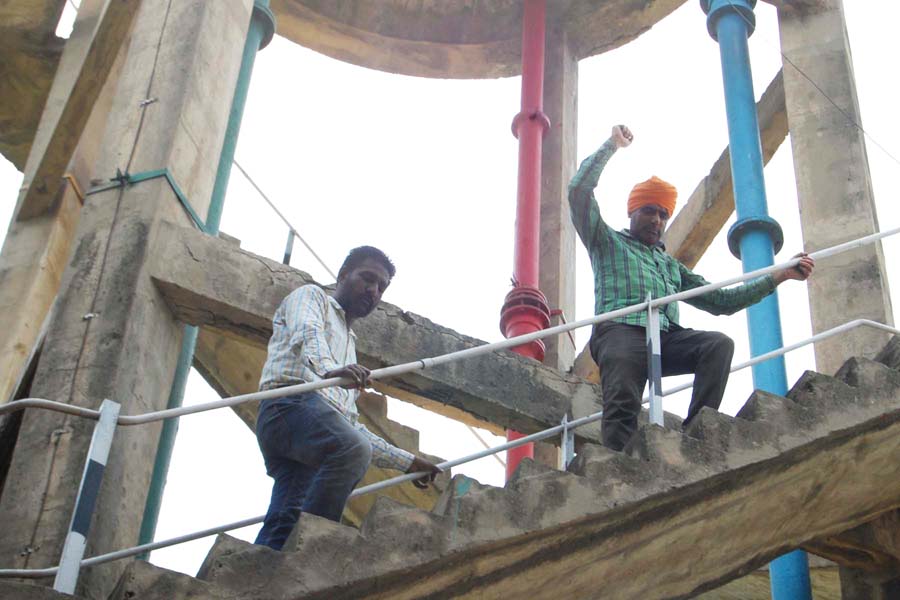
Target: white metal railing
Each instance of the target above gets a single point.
(445, 358)
(75, 562)
(564, 428)
(785, 349)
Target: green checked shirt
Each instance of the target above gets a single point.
(626, 269)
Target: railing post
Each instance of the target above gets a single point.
(289, 247)
(654, 364)
(566, 444)
(76, 540)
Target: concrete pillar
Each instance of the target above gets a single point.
(557, 258)
(557, 266)
(112, 335)
(833, 183)
(859, 585)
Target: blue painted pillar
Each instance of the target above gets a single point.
(259, 34)
(755, 237)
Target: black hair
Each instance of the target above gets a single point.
(358, 255)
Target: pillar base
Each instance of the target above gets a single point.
(767, 224)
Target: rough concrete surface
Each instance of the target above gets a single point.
(455, 38)
(676, 516)
(10, 590)
(30, 51)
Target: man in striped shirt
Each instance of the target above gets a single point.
(313, 444)
(628, 266)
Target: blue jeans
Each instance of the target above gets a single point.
(314, 455)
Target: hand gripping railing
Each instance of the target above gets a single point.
(565, 427)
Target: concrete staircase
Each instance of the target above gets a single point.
(675, 515)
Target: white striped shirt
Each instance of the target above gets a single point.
(310, 337)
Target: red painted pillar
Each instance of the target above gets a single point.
(525, 309)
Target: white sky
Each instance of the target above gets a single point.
(426, 170)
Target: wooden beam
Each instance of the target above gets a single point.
(712, 202)
(873, 547)
(79, 81)
(209, 282)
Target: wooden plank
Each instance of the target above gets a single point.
(79, 81)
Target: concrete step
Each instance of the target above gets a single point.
(647, 523)
(874, 377)
(144, 581)
(740, 441)
(671, 455)
(14, 590)
(890, 354)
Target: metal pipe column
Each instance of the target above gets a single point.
(525, 309)
(259, 34)
(755, 237)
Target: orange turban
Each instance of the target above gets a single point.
(653, 191)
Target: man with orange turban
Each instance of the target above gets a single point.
(632, 263)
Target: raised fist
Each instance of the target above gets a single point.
(622, 136)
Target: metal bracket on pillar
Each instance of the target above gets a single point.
(266, 19)
(539, 116)
(525, 310)
(716, 8)
(766, 224)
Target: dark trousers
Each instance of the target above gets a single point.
(316, 458)
(621, 353)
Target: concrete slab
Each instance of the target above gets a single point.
(455, 38)
(209, 282)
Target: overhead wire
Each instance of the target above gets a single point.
(284, 219)
(818, 88)
(330, 272)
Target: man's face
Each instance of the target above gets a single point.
(359, 290)
(648, 223)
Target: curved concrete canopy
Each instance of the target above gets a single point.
(30, 52)
(457, 39)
